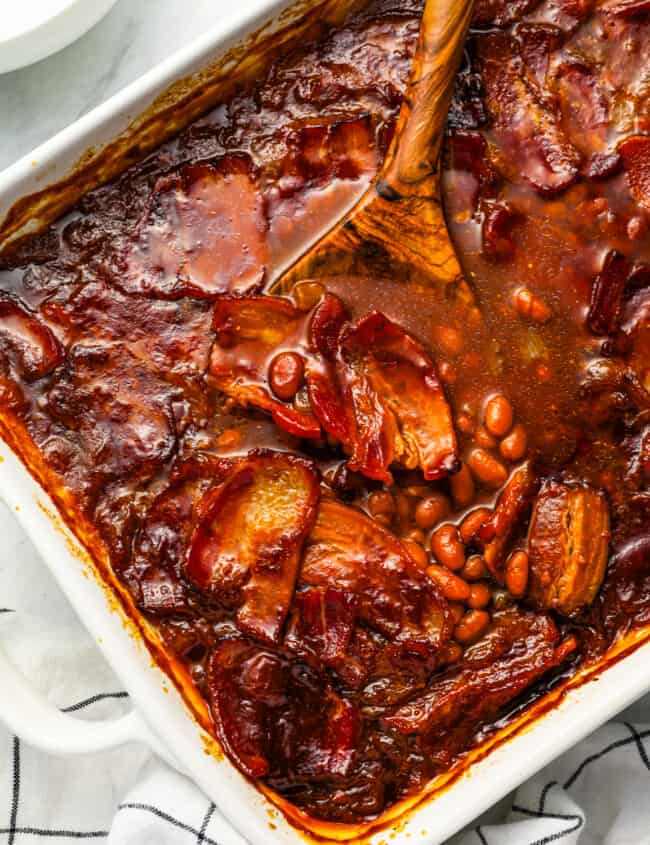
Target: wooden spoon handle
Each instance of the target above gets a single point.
(413, 153)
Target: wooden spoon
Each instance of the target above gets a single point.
(397, 228)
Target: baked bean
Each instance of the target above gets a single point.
(484, 439)
(462, 487)
(417, 491)
(431, 510)
(486, 468)
(447, 547)
(513, 447)
(384, 519)
(286, 374)
(472, 522)
(417, 553)
(517, 573)
(307, 294)
(498, 416)
(472, 626)
(501, 599)
(479, 596)
(381, 502)
(415, 536)
(453, 587)
(530, 306)
(448, 339)
(458, 610)
(475, 568)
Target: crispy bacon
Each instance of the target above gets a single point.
(262, 707)
(518, 648)
(397, 410)
(607, 294)
(529, 141)
(241, 680)
(26, 340)
(627, 8)
(635, 153)
(250, 332)
(370, 385)
(497, 531)
(203, 233)
(585, 109)
(247, 542)
(568, 546)
(350, 550)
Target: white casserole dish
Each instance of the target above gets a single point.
(161, 717)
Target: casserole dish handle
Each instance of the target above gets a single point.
(40, 724)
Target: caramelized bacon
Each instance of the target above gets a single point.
(584, 108)
(117, 408)
(321, 624)
(497, 531)
(532, 145)
(635, 153)
(395, 598)
(398, 409)
(370, 385)
(247, 542)
(501, 13)
(203, 233)
(265, 707)
(568, 546)
(26, 340)
(518, 648)
(241, 680)
(250, 333)
(627, 8)
(607, 294)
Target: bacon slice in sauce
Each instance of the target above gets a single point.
(568, 546)
(250, 332)
(371, 385)
(348, 549)
(498, 530)
(247, 543)
(532, 145)
(399, 411)
(635, 153)
(26, 341)
(518, 648)
(203, 233)
(266, 709)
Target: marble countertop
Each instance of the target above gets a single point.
(39, 100)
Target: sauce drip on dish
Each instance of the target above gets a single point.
(371, 520)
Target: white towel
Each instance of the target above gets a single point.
(596, 794)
